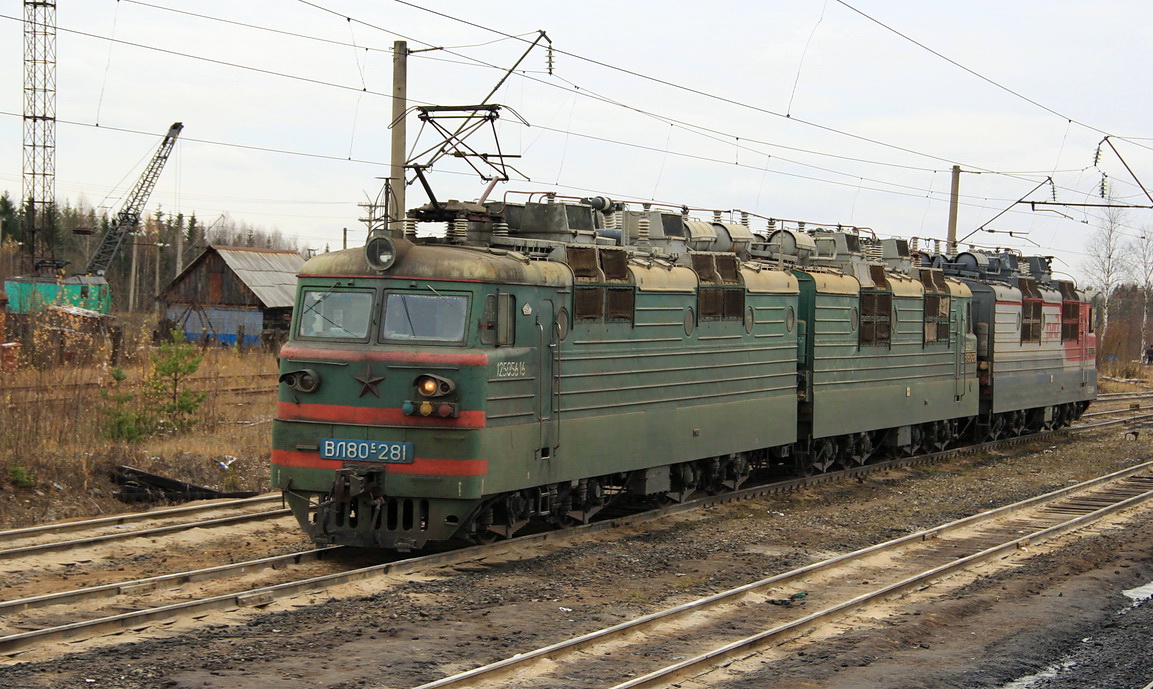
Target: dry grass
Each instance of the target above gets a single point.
(55, 462)
(54, 452)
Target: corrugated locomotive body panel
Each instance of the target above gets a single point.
(649, 394)
(1028, 375)
(857, 388)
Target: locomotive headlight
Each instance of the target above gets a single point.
(303, 380)
(380, 252)
(429, 385)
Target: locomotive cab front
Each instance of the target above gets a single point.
(398, 389)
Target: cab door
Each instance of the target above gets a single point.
(548, 379)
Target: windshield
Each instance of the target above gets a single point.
(343, 315)
(434, 317)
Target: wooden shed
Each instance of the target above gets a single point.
(230, 294)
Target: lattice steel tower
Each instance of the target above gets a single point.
(39, 181)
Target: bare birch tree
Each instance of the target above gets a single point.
(1141, 272)
(1106, 265)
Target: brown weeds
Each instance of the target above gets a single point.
(53, 439)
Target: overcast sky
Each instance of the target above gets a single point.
(804, 110)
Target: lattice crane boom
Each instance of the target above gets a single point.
(129, 215)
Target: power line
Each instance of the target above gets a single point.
(980, 76)
(348, 158)
(694, 128)
(682, 87)
(266, 149)
(466, 60)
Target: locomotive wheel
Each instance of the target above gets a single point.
(996, 426)
(588, 499)
(714, 475)
(823, 456)
(916, 439)
(862, 449)
(1017, 425)
(942, 434)
(736, 471)
(685, 479)
(506, 515)
(486, 537)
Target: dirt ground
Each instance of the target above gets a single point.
(402, 632)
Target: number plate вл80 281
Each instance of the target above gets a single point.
(366, 451)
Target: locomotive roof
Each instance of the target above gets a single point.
(445, 262)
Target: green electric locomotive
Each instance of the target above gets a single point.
(547, 356)
(528, 366)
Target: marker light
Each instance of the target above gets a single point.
(429, 385)
(303, 380)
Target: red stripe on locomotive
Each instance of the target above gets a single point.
(420, 465)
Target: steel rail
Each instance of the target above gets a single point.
(501, 669)
(743, 647)
(157, 531)
(121, 519)
(1106, 396)
(14, 644)
(151, 583)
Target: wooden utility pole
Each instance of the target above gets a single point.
(954, 196)
(396, 207)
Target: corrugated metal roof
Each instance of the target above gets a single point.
(270, 274)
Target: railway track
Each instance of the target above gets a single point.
(689, 640)
(141, 602)
(21, 542)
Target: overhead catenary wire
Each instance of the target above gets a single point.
(473, 61)
(744, 140)
(980, 76)
(665, 82)
(915, 192)
(585, 92)
(719, 98)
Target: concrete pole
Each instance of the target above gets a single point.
(179, 252)
(156, 275)
(397, 208)
(954, 196)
